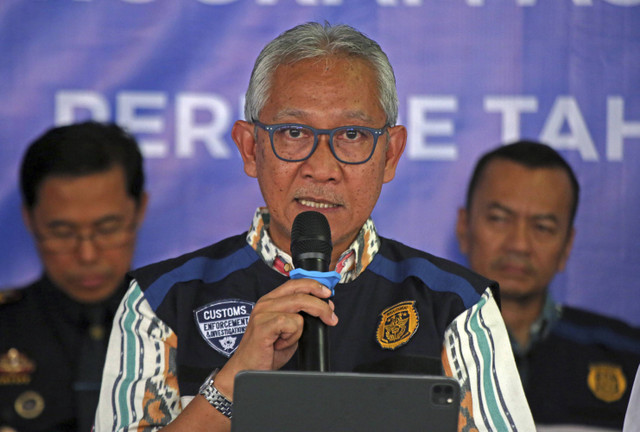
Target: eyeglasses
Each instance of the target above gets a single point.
(293, 142)
(110, 234)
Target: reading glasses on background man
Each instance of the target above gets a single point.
(293, 142)
(106, 235)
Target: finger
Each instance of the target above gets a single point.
(262, 338)
(300, 295)
(296, 303)
(332, 305)
(280, 327)
(307, 286)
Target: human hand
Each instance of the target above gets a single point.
(274, 328)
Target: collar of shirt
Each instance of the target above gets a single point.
(541, 327)
(351, 263)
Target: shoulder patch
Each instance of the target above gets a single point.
(606, 381)
(223, 323)
(398, 323)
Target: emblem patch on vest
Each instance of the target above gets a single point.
(397, 324)
(606, 381)
(223, 323)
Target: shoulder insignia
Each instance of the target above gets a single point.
(10, 296)
(15, 368)
(397, 325)
(29, 404)
(606, 381)
(223, 323)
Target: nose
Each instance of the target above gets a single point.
(322, 165)
(519, 237)
(87, 250)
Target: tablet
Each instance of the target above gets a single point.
(288, 401)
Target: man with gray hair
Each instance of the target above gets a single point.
(320, 135)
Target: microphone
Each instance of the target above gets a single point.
(311, 250)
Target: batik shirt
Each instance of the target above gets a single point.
(184, 317)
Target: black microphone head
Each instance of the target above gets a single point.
(310, 239)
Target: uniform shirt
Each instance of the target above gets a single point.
(632, 416)
(579, 369)
(41, 330)
(184, 317)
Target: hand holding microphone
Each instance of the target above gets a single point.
(276, 315)
(311, 249)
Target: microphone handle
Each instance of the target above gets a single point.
(313, 346)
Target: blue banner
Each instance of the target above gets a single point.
(471, 74)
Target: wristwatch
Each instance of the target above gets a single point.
(214, 397)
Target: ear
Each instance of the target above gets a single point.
(462, 230)
(567, 250)
(142, 208)
(27, 218)
(244, 137)
(395, 148)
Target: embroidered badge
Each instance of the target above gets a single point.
(15, 368)
(606, 381)
(398, 323)
(29, 405)
(222, 323)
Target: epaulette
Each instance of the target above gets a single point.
(10, 296)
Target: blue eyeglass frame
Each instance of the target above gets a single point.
(272, 128)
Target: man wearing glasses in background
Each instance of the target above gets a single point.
(83, 198)
(320, 135)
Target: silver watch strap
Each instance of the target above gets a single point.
(215, 398)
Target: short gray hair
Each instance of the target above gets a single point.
(313, 40)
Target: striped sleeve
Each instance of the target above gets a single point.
(477, 353)
(139, 384)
